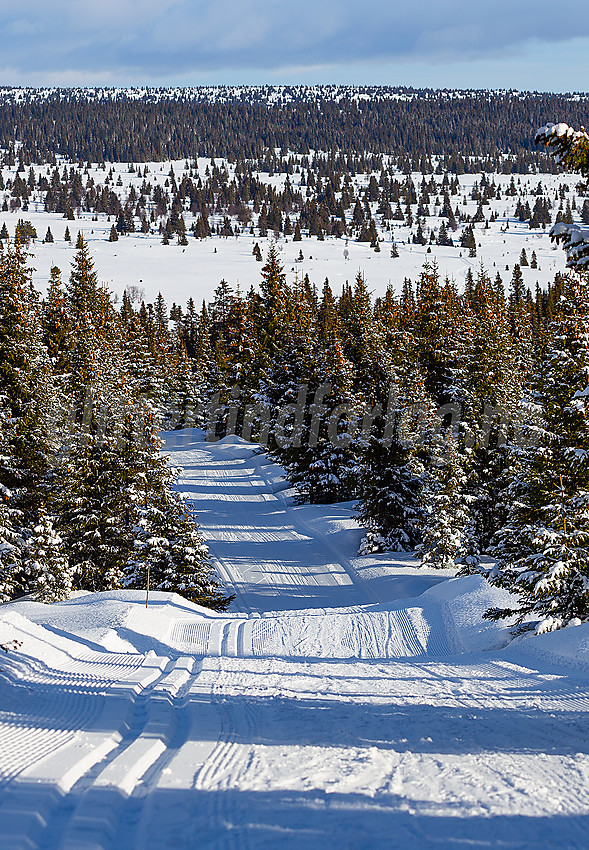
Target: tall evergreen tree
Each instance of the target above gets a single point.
(26, 410)
(543, 549)
(393, 464)
(24, 380)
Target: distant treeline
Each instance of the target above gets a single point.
(78, 125)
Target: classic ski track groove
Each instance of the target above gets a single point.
(225, 762)
(368, 634)
(142, 690)
(83, 821)
(174, 736)
(75, 695)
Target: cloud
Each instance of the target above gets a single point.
(158, 40)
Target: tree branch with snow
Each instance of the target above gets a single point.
(570, 148)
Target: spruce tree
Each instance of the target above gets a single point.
(543, 549)
(26, 411)
(392, 464)
(322, 460)
(445, 518)
(273, 314)
(55, 323)
(571, 149)
(52, 575)
(12, 543)
(24, 379)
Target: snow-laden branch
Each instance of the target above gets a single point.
(571, 149)
(575, 240)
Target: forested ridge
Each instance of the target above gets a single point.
(244, 123)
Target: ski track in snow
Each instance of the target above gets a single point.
(315, 715)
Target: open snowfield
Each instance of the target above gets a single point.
(346, 702)
(194, 271)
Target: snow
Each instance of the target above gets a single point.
(264, 94)
(142, 262)
(343, 701)
(561, 129)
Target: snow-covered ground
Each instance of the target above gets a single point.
(194, 271)
(345, 701)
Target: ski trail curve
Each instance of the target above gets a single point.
(261, 545)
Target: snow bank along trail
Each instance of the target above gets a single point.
(356, 712)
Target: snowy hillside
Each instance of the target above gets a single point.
(344, 701)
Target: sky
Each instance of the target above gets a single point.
(516, 44)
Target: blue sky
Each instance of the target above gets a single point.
(499, 44)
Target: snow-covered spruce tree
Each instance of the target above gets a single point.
(466, 349)
(392, 467)
(94, 338)
(332, 453)
(167, 545)
(24, 378)
(571, 149)
(178, 385)
(543, 549)
(12, 547)
(520, 324)
(489, 373)
(25, 387)
(241, 360)
(55, 323)
(445, 518)
(92, 504)
(268, 315)
(12, 544)
(289, 375)
(432, 327)
(321, 456)
(185, 398)
(208, 375)
(117, 510)
(139, 365)
(88, 467)
(362, 341)
(241, 345)
(48, 562)
(274, 305)
(351, 359)
(440, 337)
(322, 462)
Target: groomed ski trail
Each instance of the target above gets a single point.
(364, 725)
(270, 551)
(237, 752)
